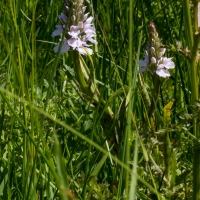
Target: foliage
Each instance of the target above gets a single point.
(59, 142)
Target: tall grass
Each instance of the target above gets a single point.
(60, 140)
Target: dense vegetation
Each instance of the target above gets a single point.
(122, 135)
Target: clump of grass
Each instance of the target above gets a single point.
(81, 126)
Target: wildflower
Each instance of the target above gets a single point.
(153, 59)
(80, 32)
(163, 65)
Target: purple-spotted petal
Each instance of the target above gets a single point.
(75, 42)
(73, 28)
(92, 40)
(166, 63)
(74, 34)
(161, 66)
(80, 25)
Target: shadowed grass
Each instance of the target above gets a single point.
(58, 142)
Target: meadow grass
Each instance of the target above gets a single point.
(125, 136)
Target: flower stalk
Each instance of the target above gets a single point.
(154, 61)
(156, 64)
(77, 36)
(159, 67)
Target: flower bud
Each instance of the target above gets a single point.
(159, 56)
(152, 28)
(162, 51)
(73, 18)
(157, 45)
(152, 50)
(153, 60)
(84, 8)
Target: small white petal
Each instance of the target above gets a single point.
(74, 34)
(63, 18)
(86, 45)
(161, 53)
(58, 31)
(162, 50)
(90, 35)
(75, 43)
(85, 16)
(90, 51)
(152, 50)
(143, 63)
(80, 25)
(84, 8)
(87, 25)
(166, 63)
(89, 30)
(161, 66)
(92, 40)
(83, 51)
(163, 73)
(73, 28)
(89, 20)
(65, 47)
(169, 64)
(56, 48)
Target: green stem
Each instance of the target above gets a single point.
(156, 92)
(144, 93)
(166, 153)
(189, 34)
(79, 73)
(130, 104)
(194, 91)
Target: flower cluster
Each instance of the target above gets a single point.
(154, 60)
(79, 32)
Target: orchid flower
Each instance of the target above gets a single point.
(79, 35)
(153, 59)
